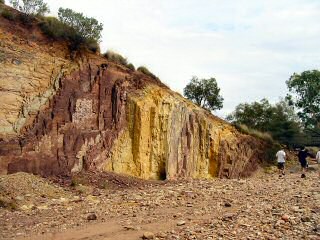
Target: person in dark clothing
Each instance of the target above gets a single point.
(302, 155)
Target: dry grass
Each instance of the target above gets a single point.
(116, 58)
(146, 71)
(255, 133)
(119, 59)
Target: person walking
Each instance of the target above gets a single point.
(302, 155)
(318, 161)
(281, 159)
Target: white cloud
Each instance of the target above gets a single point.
(251, 47)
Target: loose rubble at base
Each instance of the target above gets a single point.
(262, 207)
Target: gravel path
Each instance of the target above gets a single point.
(262, 207)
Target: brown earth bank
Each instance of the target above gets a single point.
(110, 206)
(62, 112)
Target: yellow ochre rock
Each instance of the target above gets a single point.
(63, 112)
(168, 137)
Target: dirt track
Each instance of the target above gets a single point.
(263, 207)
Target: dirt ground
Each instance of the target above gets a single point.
(107, 206)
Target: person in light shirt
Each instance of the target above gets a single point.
(318, 161)
(281, 159)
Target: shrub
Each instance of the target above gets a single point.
(93, 46)
(131, 67)
(270, 152)
(87, 28)
(81, 31)
(31, 7)
(7, 14)
(119, 59)
(27, 20)
(55, 29)
(116, 58)
(146, 71)
(252, 132)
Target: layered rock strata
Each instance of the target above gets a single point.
(60, 115)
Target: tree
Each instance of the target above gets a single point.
(88, 28)
(31, 7)
(255, 115)
(279, 120)
(205, 93)
(305, 89)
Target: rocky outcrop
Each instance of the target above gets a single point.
(169, 137)
(60, 115)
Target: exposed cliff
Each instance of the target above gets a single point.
(60, 115)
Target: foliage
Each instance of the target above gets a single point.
(7, 14)
(273, 146)
(2, 2)
(31, 7)
(270, 153)
(119, 59)
(305, 89)
(88, 28)
(53, 28)
(261, 135)
(254, 115)
(116, 58)
(93, 46)
(279, 120)
(146, 71)
(131, 67)
(205, 93)
(57, 30)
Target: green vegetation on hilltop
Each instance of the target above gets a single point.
(31, 7)
(87, 28)
(80, 31)
(205, 93)
(7, 14)
(119, 59)
(253, 132)
(146, 71)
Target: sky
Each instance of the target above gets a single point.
(250, 47)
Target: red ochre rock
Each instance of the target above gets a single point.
(60, 115)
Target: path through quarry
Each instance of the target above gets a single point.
(262, 207)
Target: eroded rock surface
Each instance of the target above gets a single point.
(168, 137)
(62, 114)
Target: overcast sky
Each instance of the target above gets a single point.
(251, 47)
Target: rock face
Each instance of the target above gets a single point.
(169, 137)
(60, 115)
